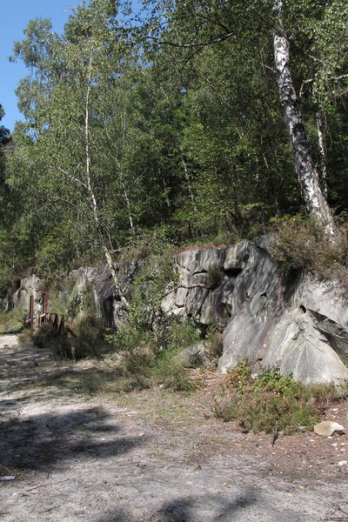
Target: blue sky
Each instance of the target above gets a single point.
(15, 15)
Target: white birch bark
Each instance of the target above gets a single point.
(322, 151)
(307, 174)
(94, 205)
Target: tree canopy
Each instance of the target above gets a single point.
(171, 119)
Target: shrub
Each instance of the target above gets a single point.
(271, 400)
(215, 276)
(48, 337)
(12, 322)
(213, 343)
(301, 245)
(90, 340)
(239, 376)
(172, 374)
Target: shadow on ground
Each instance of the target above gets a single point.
(25, 368)
(192, 509)
(41, 442)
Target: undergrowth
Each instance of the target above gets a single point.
(272, 401)
(301, 245)
(150, 357)
(12, 322)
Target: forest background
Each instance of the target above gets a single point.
(168, 125)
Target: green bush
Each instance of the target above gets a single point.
(239, 376)
(90, 340)
(301, 246)
(172, 374)
(12, 322)
(272, 400)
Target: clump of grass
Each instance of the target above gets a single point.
(88, 340)
(272, 400)
(171, 374)
(215, 276)
(213, 343)
(94, 383)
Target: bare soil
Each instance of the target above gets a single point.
(150, 456)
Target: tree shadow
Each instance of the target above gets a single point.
(41, 442)
(192, 509)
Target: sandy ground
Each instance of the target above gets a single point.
(150, 456)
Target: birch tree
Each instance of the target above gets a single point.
(308, 175)
(64, 113)
(190, 27)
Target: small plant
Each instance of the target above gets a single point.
(239, 376)
(213, 343)
(172, 375)
(215, 276)
(94, 383)
(272, 380)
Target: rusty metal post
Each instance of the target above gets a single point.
(62, 326)
(31, 315)
(45, 302)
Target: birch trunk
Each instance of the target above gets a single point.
(304, 167)
(322, 150)
(93, 200)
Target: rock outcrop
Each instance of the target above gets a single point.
(299, 327)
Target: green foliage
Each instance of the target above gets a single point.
(89, 340)
(215, 276)
(12, 321)
(239, 376)
(274, 381)
(213, 343)
(177, 334)
(127, 140)
(272, 401)
(301, 246)
(172, 375)
(150, 286)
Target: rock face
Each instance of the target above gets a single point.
(97, 282)
(300, 327)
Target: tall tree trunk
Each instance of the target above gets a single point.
(322, 151)
(307, 174)
(93, 200)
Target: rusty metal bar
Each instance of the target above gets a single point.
(31, 314)
(45, 302)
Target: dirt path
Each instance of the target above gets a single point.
(149, 456)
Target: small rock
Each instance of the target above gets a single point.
(328, 428)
